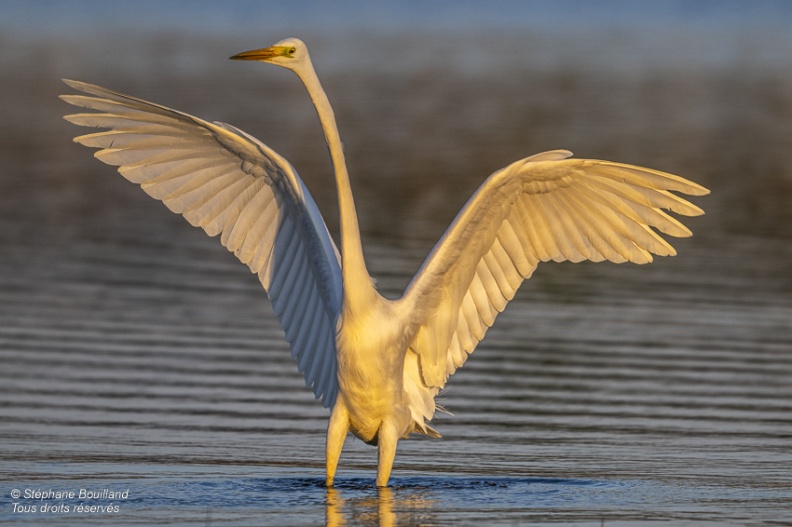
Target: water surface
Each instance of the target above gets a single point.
(135, 353)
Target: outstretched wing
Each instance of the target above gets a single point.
(545, 207)
(228, 183)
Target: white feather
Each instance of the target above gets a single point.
(196, 168)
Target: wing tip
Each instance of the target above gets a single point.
(696, 189)
(77, 85)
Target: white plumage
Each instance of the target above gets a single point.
(379, 363)
(230, 184)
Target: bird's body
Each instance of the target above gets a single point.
(370, 349)
(378, 363)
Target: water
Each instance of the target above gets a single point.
(136, 354)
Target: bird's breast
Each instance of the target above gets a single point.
(370, 372)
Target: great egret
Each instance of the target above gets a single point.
(378, 363)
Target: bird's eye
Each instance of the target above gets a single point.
(292, 51)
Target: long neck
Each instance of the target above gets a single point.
(357, 284)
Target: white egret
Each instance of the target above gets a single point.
(378, 363)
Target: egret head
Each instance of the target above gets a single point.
(289, 53)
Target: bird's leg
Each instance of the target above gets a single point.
(337, 430)
(387, 438)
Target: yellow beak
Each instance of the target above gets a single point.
(264, 54)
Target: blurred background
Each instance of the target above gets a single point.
(129, 340)
(425, 93)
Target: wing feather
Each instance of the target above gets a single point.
(305, 338)
(230, 184)
(542, 208)
(633, 218)
(517, 246)
(285, 246)
(580, 247)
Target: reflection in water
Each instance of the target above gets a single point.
(334, 517)
(386, 509)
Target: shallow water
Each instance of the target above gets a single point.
(210, 497)
(135, 353)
